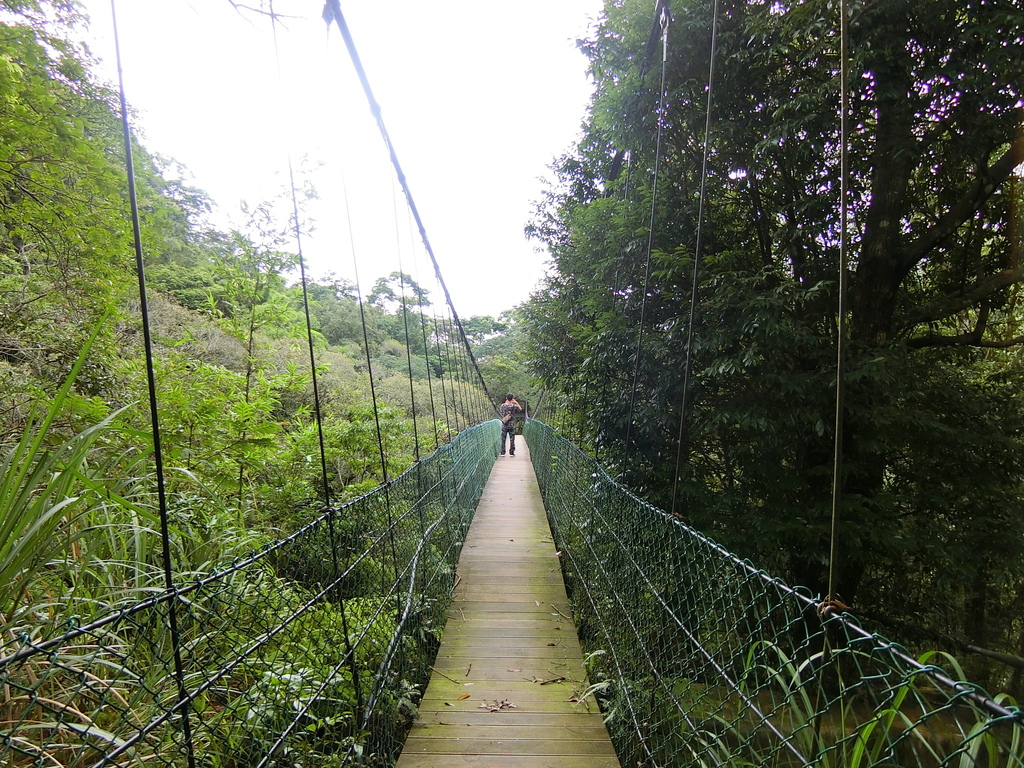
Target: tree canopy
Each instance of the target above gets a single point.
(931, 487)
(233, 373)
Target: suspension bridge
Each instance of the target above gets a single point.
(317, 650)
(520, 612)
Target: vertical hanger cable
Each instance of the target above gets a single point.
(663, 18)
(697, 256)
(182, 704)
(841, 330)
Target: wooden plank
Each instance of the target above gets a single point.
(510, 670)
(511, 717)
(472, 707)
(464, 622)
(550, 654)
(545, 608)
(500, 746)
(514, 690)
(552, 576)
(545, 594)
(519, 732)
(513, 586)
(519, 634)
(485, 567)
(503, 761)
(553, 654)
(529, 670)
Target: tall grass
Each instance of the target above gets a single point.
(44, 493)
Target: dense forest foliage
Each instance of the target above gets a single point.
(931, 546)
(231, 350)
(932, 550)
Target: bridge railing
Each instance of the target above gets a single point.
(700, 659)
(305, 653)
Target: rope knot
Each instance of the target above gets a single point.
(832, 606)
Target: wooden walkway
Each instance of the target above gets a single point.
(510, 667)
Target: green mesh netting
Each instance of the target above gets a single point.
(307, 653)
(699, 659)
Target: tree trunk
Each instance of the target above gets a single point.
(882, 263)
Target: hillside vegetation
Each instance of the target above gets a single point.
(230, 344)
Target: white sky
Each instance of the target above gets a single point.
(479, 98)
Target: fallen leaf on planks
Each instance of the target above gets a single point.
(463, 696)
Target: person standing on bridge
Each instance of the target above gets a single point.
(508, 412)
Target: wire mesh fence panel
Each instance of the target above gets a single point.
(309, 652)
(700, 659)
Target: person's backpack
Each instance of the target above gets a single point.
(507, 418)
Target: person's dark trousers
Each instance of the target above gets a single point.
(511, 441)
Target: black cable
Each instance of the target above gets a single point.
(373, 390)
(452, 371)
(154, 414)
(441, 376)
(335, 14)
(405, 322)
(443, 331)
(837, 457)
(430, 376)
(366, 335)
(317, 411)
(663, 18)
(698, 254)
(426, 355)
(464, 378)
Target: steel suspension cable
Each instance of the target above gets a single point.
(841, 330)
(333, 13)
(317, 403)
(444, 332)
(458, 402)
(154, 413)
(297, 232)
(460, 380)
(366, 335)
(452, 354)
(464, 383)
(698, 254)
(373, 388)
(426, 354)
(317, 409)
(405, 322)
(439, 362)
(441, 376)
(829, 607)
(664, 19)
